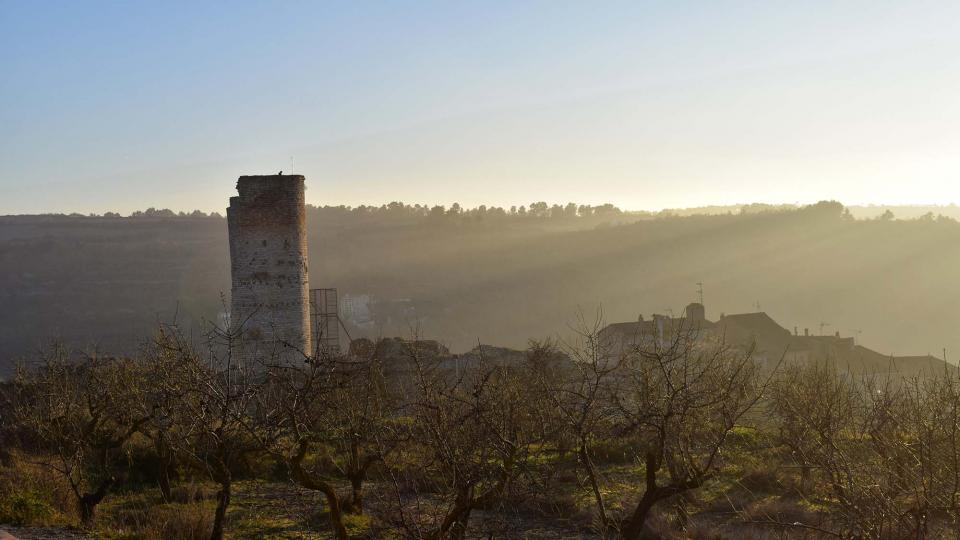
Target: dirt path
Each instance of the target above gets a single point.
(40, 533)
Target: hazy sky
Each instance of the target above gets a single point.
(123, 105)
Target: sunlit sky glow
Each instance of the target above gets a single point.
(123, 105)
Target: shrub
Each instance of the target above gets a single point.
(25, 508)
(142, 463)
(560, 503)
(192, 492)
(761, 480)
(616, 450)
(746, 438)
(33, 494)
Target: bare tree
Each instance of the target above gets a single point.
(813, 406)
(204, 400)
(363, 420)
(577, 392)
(83, 413)
(681, 394)
(886, 448)
(474, 433)
(334, 407)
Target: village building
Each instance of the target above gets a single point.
(769, 342)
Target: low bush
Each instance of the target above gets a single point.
(31, 493)
(190, 493)
(616, 451)
(761, 480)
(25, 508)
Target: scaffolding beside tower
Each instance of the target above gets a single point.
(325, 322)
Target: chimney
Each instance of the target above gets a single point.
(837, 334)
(696, 313)
(806, 332)
(658, 321)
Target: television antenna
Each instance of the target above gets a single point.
(700, 291)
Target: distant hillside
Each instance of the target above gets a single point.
(916, 211)
(497, 277)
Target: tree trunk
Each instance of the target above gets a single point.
(633, 526)
(458, 531)
(804, 480)
(336, 513)
(454, 526)
(307, 481)
(587, 463)
(88, 501)
(356, 471)
(223, 501)
(88, 508)
(163, 481)
(355, 505)
(163, 468)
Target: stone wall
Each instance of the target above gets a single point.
(268, 263)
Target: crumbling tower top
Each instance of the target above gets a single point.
(274, 200)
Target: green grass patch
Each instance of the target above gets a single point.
(26, 508)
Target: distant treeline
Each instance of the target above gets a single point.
(558, 211)
(535, 210)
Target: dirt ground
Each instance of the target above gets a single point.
(41, 533)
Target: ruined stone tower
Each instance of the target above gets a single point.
(268, 264)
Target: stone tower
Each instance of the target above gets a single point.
(270, 304)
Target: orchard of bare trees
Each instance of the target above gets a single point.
(681, 436)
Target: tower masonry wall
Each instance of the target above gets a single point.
(270, 304)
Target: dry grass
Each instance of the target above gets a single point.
(145, 520)
(191, 492)
(761, 480)
(778, 509)
(33, 494)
